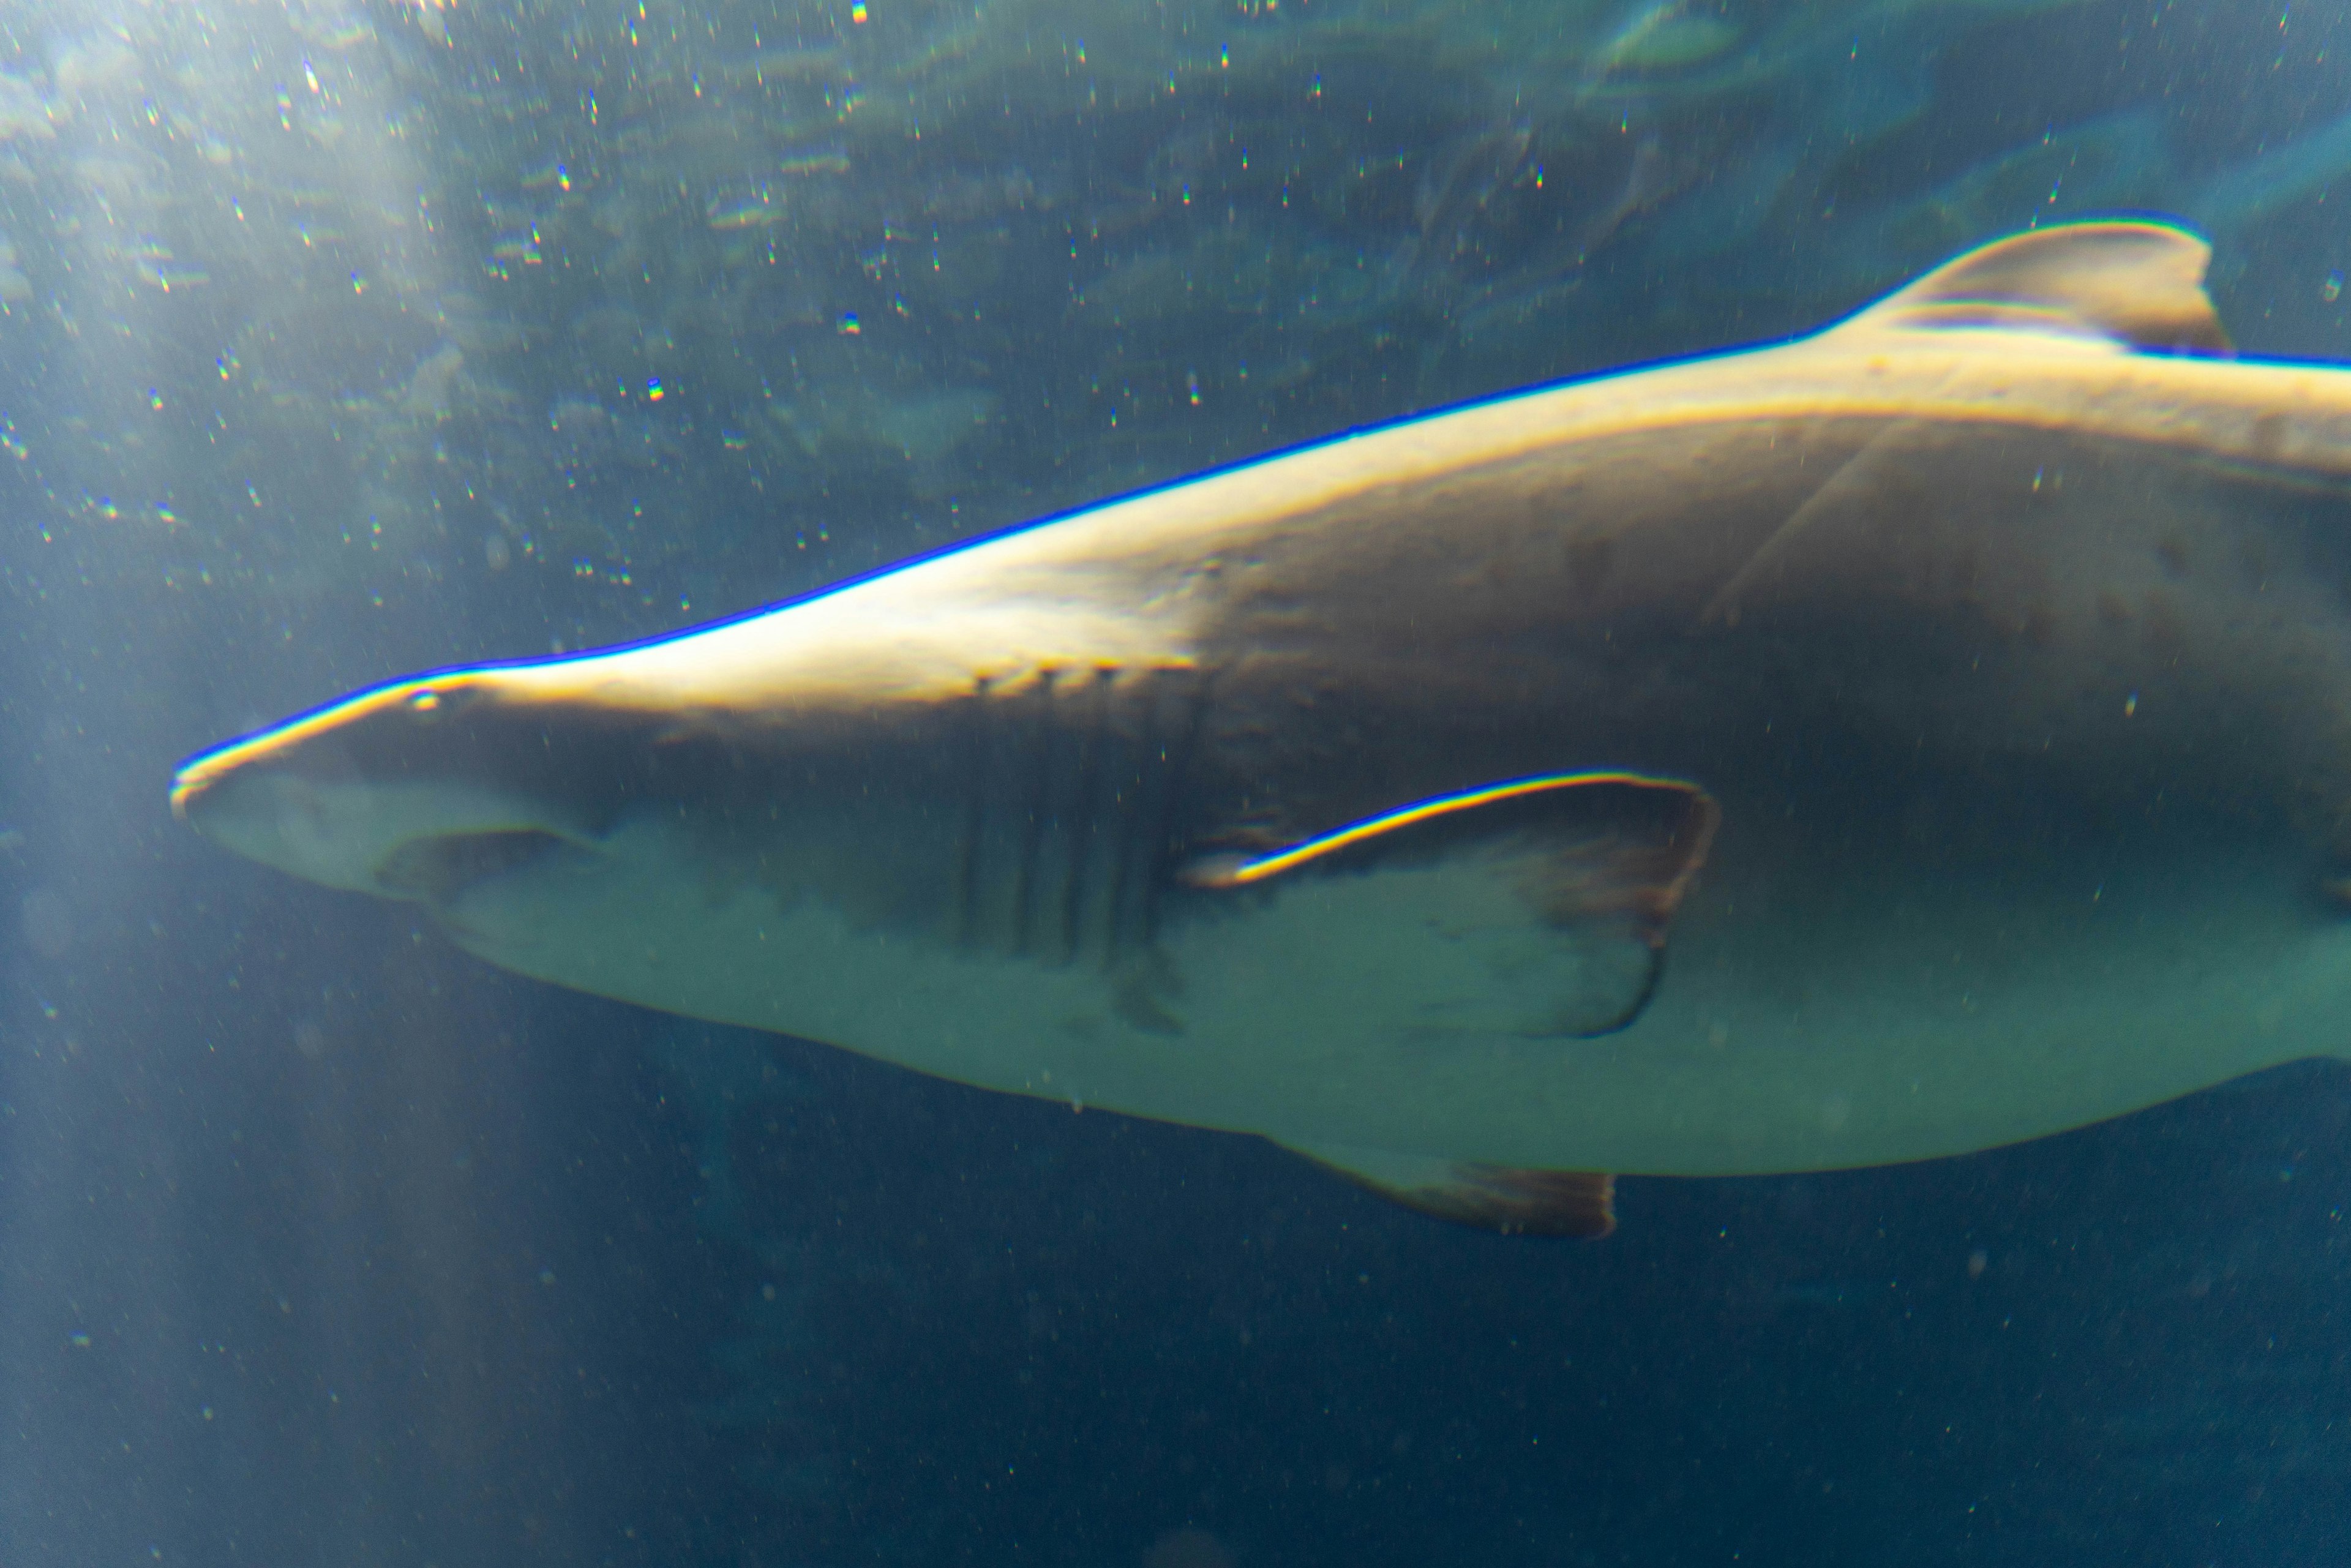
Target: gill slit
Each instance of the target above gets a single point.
(1079, 830)
(1162, 846)
(1039, 748)
(974, 820)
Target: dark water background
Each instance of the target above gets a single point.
(328, 353)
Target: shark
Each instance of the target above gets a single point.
(1921, 735)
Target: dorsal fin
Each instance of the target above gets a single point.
(2140, 284)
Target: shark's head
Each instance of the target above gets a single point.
(401, 791)
(786, 859)
(506, 798)
(786, 722)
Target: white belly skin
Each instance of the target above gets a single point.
(1883, 1022)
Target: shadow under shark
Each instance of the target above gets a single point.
(1928, 734)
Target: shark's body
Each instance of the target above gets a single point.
(1957, 703)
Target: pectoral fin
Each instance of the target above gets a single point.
(1484, 1197)
(1541, 905)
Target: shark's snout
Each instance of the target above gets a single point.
(316, 832)
(392, 839)
(369, 797)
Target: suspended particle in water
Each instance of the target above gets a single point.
(2332, 287)
(496, 552)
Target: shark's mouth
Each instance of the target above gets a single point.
(437, 869)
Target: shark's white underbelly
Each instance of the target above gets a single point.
(1897, 1021)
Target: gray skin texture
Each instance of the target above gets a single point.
(2005, 622)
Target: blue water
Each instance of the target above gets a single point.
(341, 340)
